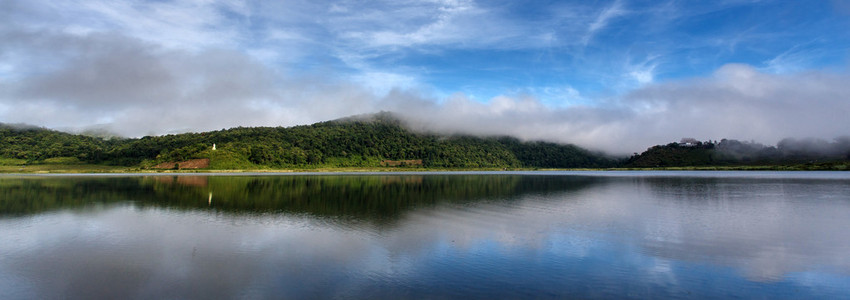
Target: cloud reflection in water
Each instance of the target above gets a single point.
(518, 236)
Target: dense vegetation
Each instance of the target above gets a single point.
(33, 144)
(363, 141)
(806, 153)
(374, 140)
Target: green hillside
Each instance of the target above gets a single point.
(33, 144)
(364, 141)
(805, 154)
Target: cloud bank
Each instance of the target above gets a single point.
(132, 69)
(135, 88)
(737, 101)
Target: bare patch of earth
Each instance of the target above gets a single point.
(200, 163)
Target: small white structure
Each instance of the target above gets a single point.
(688, 142)
(213, 146)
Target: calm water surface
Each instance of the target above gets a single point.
(437, 235)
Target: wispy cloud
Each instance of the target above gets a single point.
(449, 24)
(180, 24)
(605, 16)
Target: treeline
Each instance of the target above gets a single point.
(690, 152)
(34, 144)
(352, 142)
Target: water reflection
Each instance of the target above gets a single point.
(431, 236)
(373, 198)
(771, 228)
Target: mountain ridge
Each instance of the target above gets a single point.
(355, 141)
(382, 140)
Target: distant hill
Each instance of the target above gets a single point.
(37, 144)
(361, 141)
(817, 154)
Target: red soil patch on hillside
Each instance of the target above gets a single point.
(200, 163)
(396, 163)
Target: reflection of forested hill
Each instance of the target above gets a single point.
(353, 142)
(370, 197)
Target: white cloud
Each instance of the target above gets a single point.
(144, 89)
(381, 83)
(736, 102)
(428, 25)
(798, 58)
(410, 26)
(643, 76)
(602, 19)
(137, 66)
(179, 24)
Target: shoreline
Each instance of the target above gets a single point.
(106, 170)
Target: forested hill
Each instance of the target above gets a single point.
(364, 141)
(35, 144)
(808, 154)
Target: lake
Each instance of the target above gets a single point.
(482, 235)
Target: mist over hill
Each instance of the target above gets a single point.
(370, 140)
(386, 140)
(726, 152)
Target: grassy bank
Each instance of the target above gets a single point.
(221, 162)
(58, 168)
(89, 168)
(835, 166)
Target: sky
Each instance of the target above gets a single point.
(617, 76)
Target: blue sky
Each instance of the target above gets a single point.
(613, 75)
